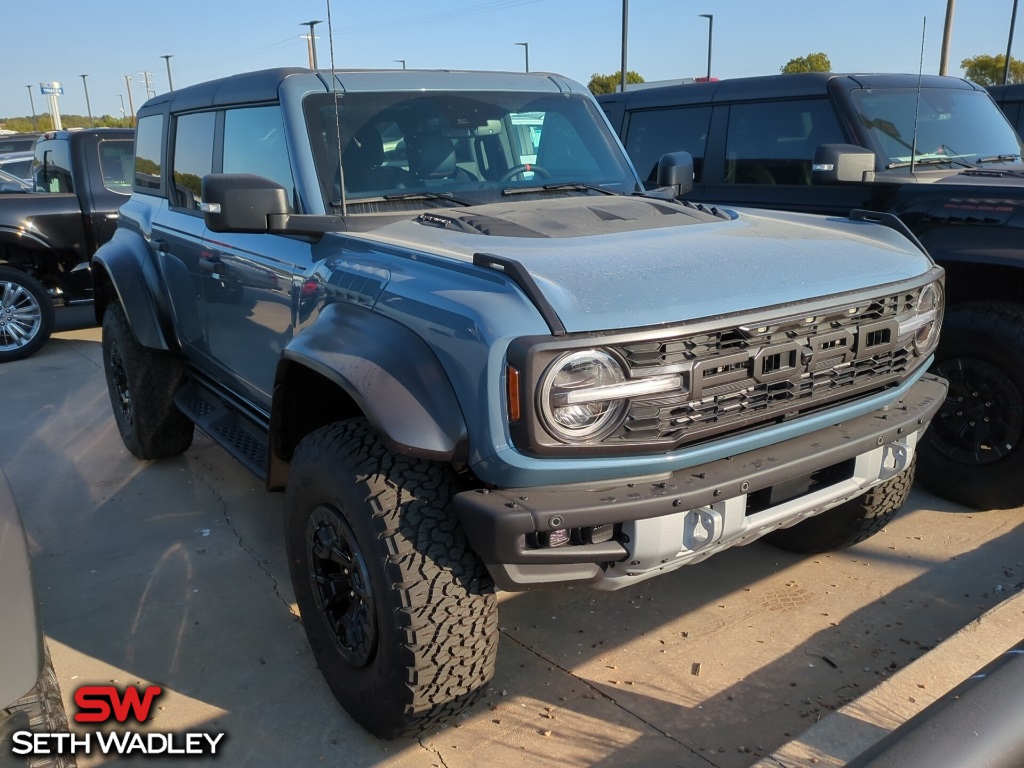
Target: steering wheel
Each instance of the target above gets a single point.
(516, 170)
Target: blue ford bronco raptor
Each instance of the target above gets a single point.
(441, 313)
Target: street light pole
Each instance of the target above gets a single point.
(131, 104)
(947, 34)
(711, 26)
(400, 61)
(167, 60)
(312, 41)
(625, 26)
(526, 50)
(87, 105)
(35, 122)
(1009, 43)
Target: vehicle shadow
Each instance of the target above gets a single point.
(174, 573)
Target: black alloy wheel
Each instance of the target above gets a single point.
(341, 585)
(982, 419)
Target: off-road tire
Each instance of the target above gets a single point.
(415, 610)
(26, 315)
(41, 710)
(142, 383)
(849, 523)
(973, 452)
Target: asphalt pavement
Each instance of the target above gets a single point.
(174, 573)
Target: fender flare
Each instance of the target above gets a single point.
(125, 262)
(390, 373)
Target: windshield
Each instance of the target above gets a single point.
(955, 126)
(403, 150)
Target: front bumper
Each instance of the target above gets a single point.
(677, 518)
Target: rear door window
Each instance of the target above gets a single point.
(193, 158)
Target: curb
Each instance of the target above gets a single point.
(849, 731)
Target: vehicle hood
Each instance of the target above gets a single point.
(628, 262)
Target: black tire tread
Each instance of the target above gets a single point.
(41, 710)
(159, 430)
(981, 327)
(849, 523)
(443, 609)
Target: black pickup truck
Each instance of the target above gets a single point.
(49, 232)
(934, 151)
(1010, 99)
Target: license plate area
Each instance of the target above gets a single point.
(758, 501)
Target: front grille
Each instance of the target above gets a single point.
(741, 377)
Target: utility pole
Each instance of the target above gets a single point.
(146, 82)
(312, 40)
(947, 35)
(1009, 43)
(122, 105)
(131, 104)
(625, 26)
(167, 60)
(35, 122)
(87, 105)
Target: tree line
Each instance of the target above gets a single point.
(43, 122)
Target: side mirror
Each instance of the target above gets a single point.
(675, 169)
(837, 163)
(242, 202)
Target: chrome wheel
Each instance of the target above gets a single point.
(21, 316)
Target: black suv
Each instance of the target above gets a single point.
(934, 151)
(1010, 99)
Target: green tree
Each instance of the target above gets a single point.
(988, 70)
(610, 83)
(812, 62)
(43, 122)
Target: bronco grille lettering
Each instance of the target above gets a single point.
(789, 360)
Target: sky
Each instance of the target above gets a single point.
(667, 39)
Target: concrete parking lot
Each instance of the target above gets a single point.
(174, 573)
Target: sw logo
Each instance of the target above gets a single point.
(107, 704)
(97, 703)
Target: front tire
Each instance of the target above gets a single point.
(141, 383)
(40, 711)
(851, 522)
(26, 315)
(400, 614)
(973, 452)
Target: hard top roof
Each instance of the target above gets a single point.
(264, 85)
(775, 86)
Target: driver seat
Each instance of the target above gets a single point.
(432, 158)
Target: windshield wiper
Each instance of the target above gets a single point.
(998, 159)
(570, 186)
(447, 196)
(928, 161)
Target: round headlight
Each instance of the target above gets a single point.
(929, 314)
(572, 403)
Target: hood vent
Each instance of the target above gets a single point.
(570, 217)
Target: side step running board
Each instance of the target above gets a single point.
(241, 437)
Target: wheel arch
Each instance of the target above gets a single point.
(354, 362)
(22, 249)
(122, 272)
(970, 281)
